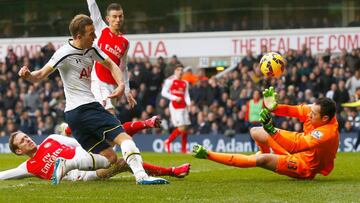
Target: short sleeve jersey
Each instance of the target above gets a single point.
(75, 66)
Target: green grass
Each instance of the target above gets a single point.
(208, 182)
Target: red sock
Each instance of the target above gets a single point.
(183, 141)
(173, 135)
(156, 170)
(132, 128)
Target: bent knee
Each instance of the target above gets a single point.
(110, 155)
(256, 132)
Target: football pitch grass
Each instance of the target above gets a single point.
(207, 182)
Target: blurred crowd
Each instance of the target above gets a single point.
(220, 106)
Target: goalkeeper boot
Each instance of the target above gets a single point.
(199, 152)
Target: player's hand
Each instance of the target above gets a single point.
(267, 121)
(178, 99)
(270, 97)
(24, 72)
(119, 91)
(130, 99)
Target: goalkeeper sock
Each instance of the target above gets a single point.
(156, 170)
(238, 160)
(276, 147)
(264, 148)
(132, 128)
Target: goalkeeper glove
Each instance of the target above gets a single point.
(270, 97)
(267, 122)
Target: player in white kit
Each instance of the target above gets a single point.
(93, 127)
(177, 91)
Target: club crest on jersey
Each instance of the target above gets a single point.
(47, 145)
(317, 134)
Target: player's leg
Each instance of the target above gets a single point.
(134, 127)
(93, 127)
(238, 160)
(183, 132)
(290, 165)
(265, 141)
(170, 139)
(153, 170)
(82, 160)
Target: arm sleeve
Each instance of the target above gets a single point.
(313, 139)
(56, 59)
(187, 95)
(71, 142)
(97, 54)
(124, 68)
(299, 111)
(95, 15)
(165, 92)
(15, 173)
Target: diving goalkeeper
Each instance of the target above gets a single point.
(298, 155)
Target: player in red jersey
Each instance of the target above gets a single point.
(177, 91)
(42, 158)
(113, 43)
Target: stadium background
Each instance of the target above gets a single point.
(219, 108)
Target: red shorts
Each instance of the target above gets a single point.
(294, 166)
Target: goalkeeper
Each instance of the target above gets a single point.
(299, 155)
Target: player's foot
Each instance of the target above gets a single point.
(199, 152)
(153, 122)
(167, 146)
(152, 181)
(59, 171)
(181, 171)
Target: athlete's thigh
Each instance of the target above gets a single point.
(293, 166)
(288, 140)
(101, 91)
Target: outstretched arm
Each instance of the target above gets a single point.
(15, 173)
(35, 76)
(95, 15)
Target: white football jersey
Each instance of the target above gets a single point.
(75, 67)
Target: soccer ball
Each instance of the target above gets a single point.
(272, 64)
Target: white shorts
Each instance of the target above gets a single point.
(76, 175)
(101, 91)
(179, 117)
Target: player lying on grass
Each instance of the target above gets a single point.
(298, 155)
(43, 157)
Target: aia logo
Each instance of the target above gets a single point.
(85, 72)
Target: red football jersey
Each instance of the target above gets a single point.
(178, 88)
(115, 47)
(42, 163)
